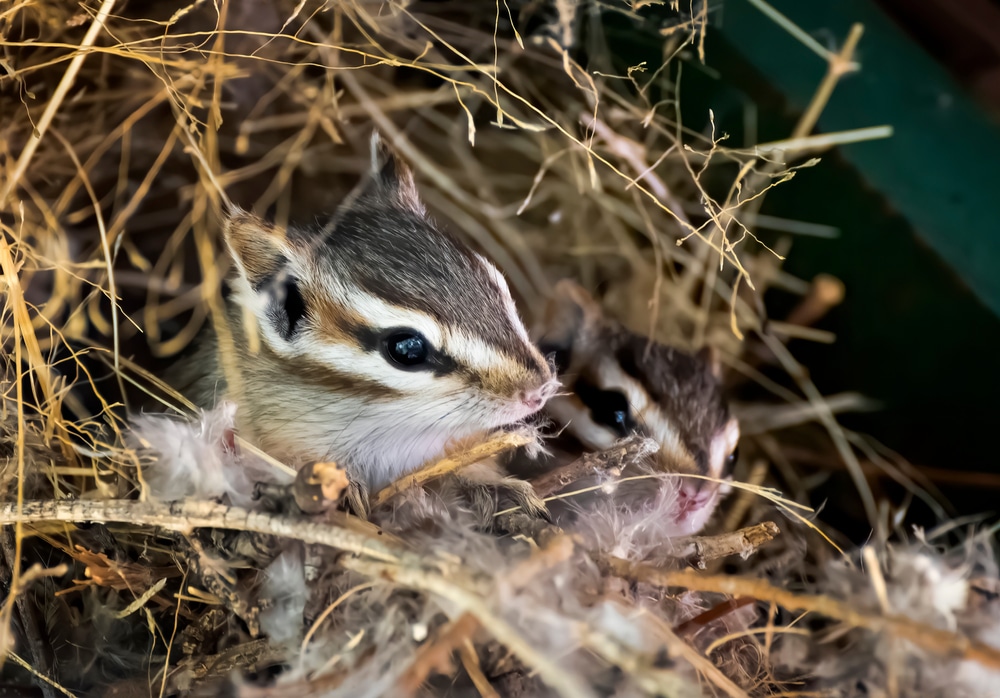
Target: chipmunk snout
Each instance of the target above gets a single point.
(535, 398)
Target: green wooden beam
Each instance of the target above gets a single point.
(941, 168)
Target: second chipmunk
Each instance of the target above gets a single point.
(617, 382)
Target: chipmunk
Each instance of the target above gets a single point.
(382, 339)
(616, 382)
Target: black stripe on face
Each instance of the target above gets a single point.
(528, 356)
(374, 340)
(609, 408)
(344, 383)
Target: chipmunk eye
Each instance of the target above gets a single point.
(292, 304)
(608, 408)
(733, 457)
(406, 348)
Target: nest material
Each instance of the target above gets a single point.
(126, 128)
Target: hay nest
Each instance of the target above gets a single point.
(148, 557)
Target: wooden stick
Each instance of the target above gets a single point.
(942, 642)
(610, 462)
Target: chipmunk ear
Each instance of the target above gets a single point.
(570, 324)
(392, 179)
(258, 248)
(262, 256)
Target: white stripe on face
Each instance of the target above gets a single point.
(355, 361)
(479, 356)
(378, 314)
(567, 411)
(501, 285)
(646, 413)
(722, 445)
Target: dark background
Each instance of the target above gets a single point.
(918, 245)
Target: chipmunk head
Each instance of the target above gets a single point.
(617, 382)
(382, 338)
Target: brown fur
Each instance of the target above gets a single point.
(676, 397)
(310, 317)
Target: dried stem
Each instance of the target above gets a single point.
(700, 550)
(561, 681)
(187, 516)
(65, 84)
(610, 462)
(449, 464)
(942, 642)
(38, 646)
(435, 656)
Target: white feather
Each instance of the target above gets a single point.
(283, 597)
(192, 460)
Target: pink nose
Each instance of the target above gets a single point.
(535, 399)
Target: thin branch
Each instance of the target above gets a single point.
(610, 462)
(187, 516)
(700, 550)
(65, 84)
(942, 642)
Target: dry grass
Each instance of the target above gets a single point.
(123, 136)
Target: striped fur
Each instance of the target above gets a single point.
(322, 300)
(669, 395)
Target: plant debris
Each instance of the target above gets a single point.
(148, 550)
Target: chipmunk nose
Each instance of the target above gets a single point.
(535, 398)
(534, 401)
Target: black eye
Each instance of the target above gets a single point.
(733, 457)
(406, 348)
(608, 408)
(289, 298)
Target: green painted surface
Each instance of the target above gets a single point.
(915, 217)
(941, 169)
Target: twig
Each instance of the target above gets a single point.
(46, 685)
(715, 613)
(838, 65)
(767, 418)
(653, 680)
(450, 464)
(793, 29)
(740, 504)
(700, 550)
(817, 143)
(943, 642)
(435, 656)
(41, 652)
(695, 658)
(612, 462)
(829, 421)
(186, 516)
(432, 581)
(825, 292)
(470, 661)
(374, 558)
